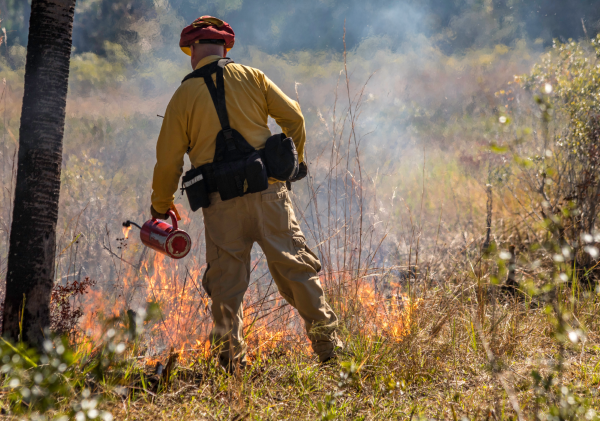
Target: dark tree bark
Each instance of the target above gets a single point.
(30, 272)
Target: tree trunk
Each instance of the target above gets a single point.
(30, 272)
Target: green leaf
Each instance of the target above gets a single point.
(498, 149)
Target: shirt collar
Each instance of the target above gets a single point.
(207, 60)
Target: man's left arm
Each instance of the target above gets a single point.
(172, 145)
(286, 113)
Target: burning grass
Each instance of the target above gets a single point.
(183, 321)
(441, 357)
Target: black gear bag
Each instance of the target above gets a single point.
(237, 167)
(281, 157)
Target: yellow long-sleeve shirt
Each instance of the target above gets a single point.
(191, 121)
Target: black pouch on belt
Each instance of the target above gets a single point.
(281, 157)
(236, 178)
(195, 186)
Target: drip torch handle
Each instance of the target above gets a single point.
(173, 218)
(174, 209)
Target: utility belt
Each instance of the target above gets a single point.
(237, 168)
(230, 179)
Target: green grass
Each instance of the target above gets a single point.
(439, 370)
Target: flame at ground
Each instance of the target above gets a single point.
(184, 320)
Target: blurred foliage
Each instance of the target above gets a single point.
(570, 71)
(279, 27)
(349, 376)
(564, 85)
(66, 382)
(39, 385)
(89, 70)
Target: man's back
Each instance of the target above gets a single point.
(191, 121)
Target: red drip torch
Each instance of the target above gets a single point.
(164, 238)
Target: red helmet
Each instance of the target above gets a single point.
(206, 29)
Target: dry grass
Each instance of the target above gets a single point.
(439, 370)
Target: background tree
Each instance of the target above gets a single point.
(30, 273)
(455, 25)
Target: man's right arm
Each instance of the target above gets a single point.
(172, 145)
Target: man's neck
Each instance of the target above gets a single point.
(207, 60)
(202, 51)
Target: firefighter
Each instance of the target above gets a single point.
(191, 124)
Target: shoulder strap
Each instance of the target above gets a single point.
(217, 93)
(208, 69)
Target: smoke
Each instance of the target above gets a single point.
(126, 65)
(279, 27)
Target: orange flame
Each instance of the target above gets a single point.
(184, 321)
(126, 231)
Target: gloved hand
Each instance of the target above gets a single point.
(158, 215)
(302, 171)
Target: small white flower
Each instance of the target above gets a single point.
(47, 346)
(502, 119)
(558, 258)
(573, 336)
(548, 88)
(592, 251)
(505, 255)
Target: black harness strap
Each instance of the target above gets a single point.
(217, 94)
(208, 69)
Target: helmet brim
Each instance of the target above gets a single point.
(188, 51)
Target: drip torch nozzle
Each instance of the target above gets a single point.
(128, 224)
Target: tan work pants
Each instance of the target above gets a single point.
(231, 229)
